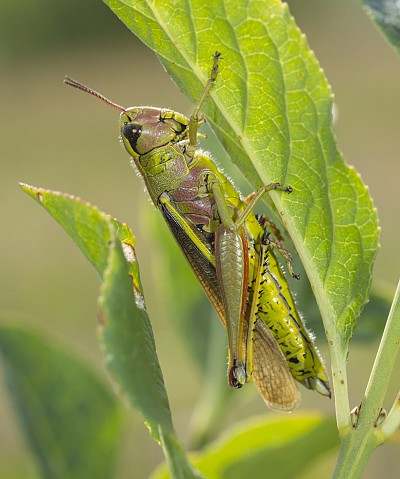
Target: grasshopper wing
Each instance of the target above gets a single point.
(271, 373)
(198, 252)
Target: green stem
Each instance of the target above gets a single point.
(383, 365)
(338, 355)
(359, 443)
(355, 450)
(178, 463)
(392, 423)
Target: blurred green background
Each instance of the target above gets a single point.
(57, 138)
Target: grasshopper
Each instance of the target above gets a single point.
(229, 248)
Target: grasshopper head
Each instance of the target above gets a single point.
(145, 128)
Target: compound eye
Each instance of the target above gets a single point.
(132, 133)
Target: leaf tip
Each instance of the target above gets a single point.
(34, 192)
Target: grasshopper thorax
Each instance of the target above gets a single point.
(143, 129)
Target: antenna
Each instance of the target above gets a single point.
(71, 82)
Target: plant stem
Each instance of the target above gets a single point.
(359, 443)
(383, 365)
(392, 422)
(355, 450)
(338, 355)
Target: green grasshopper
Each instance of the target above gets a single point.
(229, 248)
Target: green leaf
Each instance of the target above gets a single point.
(386, 15)
(275, 447)
(70, 419)
(128, 344)
(94, 233)
(272, 110)
(126, 335)
(130, 355)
